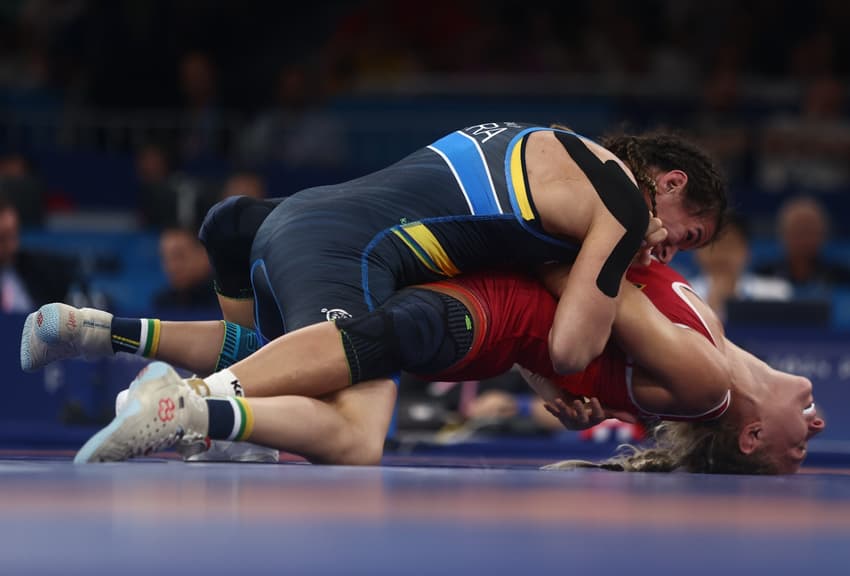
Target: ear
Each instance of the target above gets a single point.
(750, 438)
(674, 180)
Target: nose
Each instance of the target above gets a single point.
(816, 426)
(666, 253)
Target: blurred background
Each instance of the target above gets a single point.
(121, 122)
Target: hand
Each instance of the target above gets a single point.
(656, 233)
(577, 415)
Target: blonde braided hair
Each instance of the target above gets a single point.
(709, 447)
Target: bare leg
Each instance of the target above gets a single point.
(194, 346)
(307, 362)
(57, 331)
(347, 427)
(238, 311)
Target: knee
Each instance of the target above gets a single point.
(219, 225)
(366, 450)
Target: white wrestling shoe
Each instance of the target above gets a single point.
(206, 450)
(160, 410)
(57, 331)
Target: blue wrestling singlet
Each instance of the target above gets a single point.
(458, 205)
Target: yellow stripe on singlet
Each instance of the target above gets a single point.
(518, 181)
(427, 248)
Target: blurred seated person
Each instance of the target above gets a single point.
(812, 148)
(168, 199)
(803, 228)
(297, 132)
(244, 183)
(21, 186)
(187, 268)
(503, 406)
(29, 278)
(499, 406)
(724, 272)
(721, 124)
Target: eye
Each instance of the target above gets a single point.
(810, 409)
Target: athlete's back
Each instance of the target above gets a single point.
(519, 316)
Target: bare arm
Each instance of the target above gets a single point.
(608, 215)
(585, 314)
(586, 310)
(690, 374)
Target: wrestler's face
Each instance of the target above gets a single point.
(684, 230)
(789, 419)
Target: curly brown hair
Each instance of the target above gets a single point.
(705, 193)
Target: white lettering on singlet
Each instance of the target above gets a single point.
(489, 130)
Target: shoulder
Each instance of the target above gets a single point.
(575, 144)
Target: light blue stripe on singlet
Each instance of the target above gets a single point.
(466, 161)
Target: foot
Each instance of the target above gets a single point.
(187, 448)
(160, 411)
(216, 450)
(57, 331)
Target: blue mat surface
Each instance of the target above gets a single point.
(412, 516)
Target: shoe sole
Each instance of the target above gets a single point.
(47, 333)
(261, 456)
(89, 452)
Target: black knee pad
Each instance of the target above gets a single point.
(227, 233)
(416, 330)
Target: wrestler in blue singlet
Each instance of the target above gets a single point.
(458, 205)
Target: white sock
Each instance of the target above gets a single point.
(224, 383)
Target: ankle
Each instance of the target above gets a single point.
(224, 383)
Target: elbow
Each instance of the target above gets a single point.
(571, 355)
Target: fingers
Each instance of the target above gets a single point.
(596, 410)
(581, 415)
(656, 233)
(577, 414)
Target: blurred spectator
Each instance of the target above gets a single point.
(202, 130)
(724, 273)
(244, 184)
(811, 149)
(188, 270)
(298, 132)
(376, 40)
(721, 124)
(803, 228)
(614, 41)
(20, 186)
(14, 166)
(169, 199)
(497, 406)
(29, 278)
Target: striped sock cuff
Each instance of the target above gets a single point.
(149, 338)
(138, 336)
(243, 424)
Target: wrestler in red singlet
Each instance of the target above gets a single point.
(514, 313)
